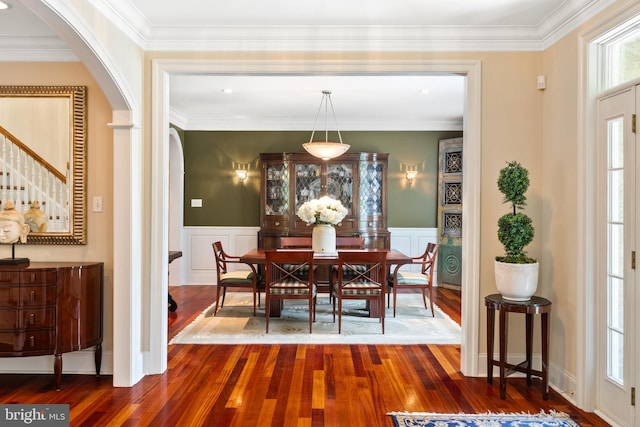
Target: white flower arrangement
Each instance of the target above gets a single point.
(324, 210)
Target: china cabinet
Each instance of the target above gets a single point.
(358, 180)
(51, 308)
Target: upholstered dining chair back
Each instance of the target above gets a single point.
(361, 276)
(289, 275)
(422, 280)
(244, 276)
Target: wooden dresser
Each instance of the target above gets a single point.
(51, 308)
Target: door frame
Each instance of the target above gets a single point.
(161, 71)
(611, 409)
(586, 298)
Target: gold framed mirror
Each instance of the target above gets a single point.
(43, 160)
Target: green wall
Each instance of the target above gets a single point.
(211, 159)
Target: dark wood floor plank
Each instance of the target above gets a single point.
(286, 385)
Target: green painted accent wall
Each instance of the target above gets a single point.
(212, 157)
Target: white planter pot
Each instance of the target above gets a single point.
(516, 282)
(323, 240)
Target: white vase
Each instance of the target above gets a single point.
(516, 282)
(323, 240)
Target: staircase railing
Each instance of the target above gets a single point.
(27, 178)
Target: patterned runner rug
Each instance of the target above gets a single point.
(235, 324)
(552, 419)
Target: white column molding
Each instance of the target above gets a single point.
(127, 259)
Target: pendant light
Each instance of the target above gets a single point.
(328, 149)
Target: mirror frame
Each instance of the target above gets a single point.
(77, 234)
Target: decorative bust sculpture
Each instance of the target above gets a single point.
(35, 218)
(12, 225)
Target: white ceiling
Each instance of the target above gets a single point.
(291, 102)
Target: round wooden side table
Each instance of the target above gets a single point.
(536, 305)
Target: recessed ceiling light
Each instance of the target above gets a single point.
(4, 5)
(425, 91)
(227, 90)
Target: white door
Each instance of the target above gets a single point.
(617, 302)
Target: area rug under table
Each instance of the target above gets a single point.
(235, 324)
(552, 419)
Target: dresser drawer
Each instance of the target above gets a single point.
(25, 342)
(38, 277)
(9, 277)
(33, 296)
(41, 318)
(9, 319)
(9, 296)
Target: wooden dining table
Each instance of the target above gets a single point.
(257, 257)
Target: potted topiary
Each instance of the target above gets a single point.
(516, 273)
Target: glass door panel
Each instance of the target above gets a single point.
(308, 183)
(340, 184)
(277, 189)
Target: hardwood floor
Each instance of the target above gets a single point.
(285, 385)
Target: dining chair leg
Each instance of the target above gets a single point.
(267, 311)
(395, 298)
(339, 315)
(433, 313)
(310, 314)
(215, 310)
(382, 313)
(334, 309)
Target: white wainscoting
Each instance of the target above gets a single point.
(199, 264)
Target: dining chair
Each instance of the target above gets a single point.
(285, 281)
(241, 278)
(291, 242)
(344, 243)
(349, 242)
(361, 276)
(422, 280)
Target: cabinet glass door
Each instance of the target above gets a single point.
(277, 189)
(371, 180)
(340, 184)
(308, 183)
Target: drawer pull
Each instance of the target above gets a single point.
(33, 277)
(370, 224)
(32, 341)
(32, 318)
(32, 296)
(277, 223)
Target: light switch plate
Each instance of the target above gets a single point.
(196, 203)
(97, 203)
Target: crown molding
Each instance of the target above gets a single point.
(553, 27)
(35, 49)
(388, 38)
(203, 124)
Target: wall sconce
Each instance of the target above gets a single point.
(242, 174)
(411, 175)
